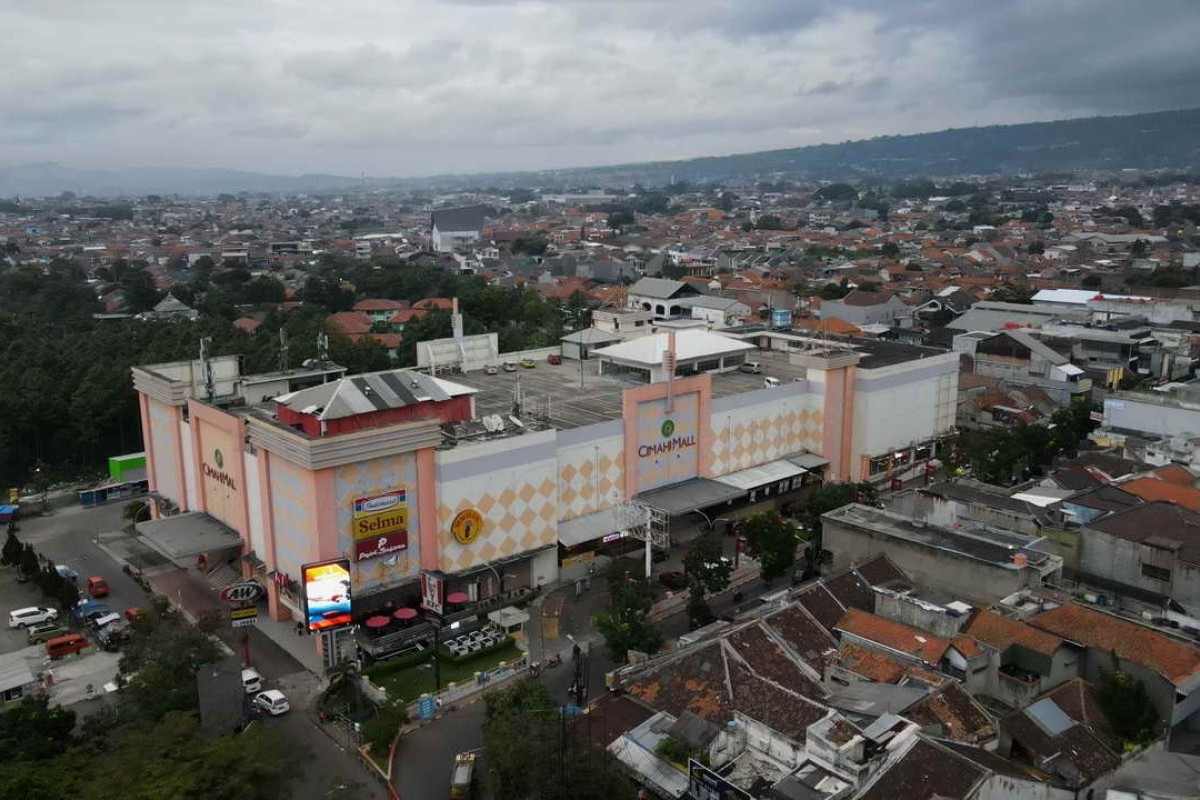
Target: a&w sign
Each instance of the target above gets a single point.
(245, 592)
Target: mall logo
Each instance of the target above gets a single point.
(669, 444)
(218, 474)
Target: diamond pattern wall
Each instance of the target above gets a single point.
(520, 513)
(755, 435)
(588, 476)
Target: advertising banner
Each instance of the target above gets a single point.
(377, 546)
(380, 524)
(432, 588)
(326, 586)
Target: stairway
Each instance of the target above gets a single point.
(223, 576)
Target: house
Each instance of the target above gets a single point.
(380, 309)
(661, 297)
(1169, 668)
(969, 560)
(171, 308)
(718, 312)
(893, 638)
(16, 680)
(1026, 662)
(1064, 733)
(1021, 359)
(861, 308)
(1149, 552)
(457, 228)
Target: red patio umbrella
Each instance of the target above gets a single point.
(457, 597)
(378, 622)
(405, 613)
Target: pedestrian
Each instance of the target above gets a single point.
(299, 628)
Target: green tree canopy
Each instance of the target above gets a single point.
(533, 753)
(770, 540)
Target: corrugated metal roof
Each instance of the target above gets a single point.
(761, 475)
(14, 672)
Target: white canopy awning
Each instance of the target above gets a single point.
(763, 474)
(586, 528)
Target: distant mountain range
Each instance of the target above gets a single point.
(50, 180)
(1159, 140)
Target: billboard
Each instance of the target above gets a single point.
(706, 784)
(326, 587)
(380, 524)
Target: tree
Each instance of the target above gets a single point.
(868, 286)
(708, 572)
(10, 556)
(381, 729)
(832, 291)
(1140, 248)
(627, 625)
(133, 511)
(770, 540)
(533, 753)
(1127, 705)
(1092, 281)
(1013, 293)
(823, 499)
(769, 222)
(836, 193)
(33, 731)
(160, 664)
(890, 250)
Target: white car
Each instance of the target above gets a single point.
(272, 701)
(24, 617)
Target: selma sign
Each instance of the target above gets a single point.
(669, 443)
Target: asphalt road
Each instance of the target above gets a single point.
(68, 536)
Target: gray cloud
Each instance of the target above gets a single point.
(402, 87)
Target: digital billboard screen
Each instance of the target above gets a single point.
(327, 594)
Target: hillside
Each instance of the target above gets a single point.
(1159, 140)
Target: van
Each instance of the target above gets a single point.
(770, 383)
(66, 645)
(753, 367)
(251, 681)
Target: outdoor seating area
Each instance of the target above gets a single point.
(475, 641)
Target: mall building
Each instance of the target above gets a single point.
(483, 482)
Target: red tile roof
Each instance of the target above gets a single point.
(380, 304)
(1001, 633)
(894, 635)
(1173, 659)
(1175, 473)
(1168, 490)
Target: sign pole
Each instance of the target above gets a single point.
(246, 648)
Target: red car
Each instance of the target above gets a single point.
(552, 359)
(97, 586)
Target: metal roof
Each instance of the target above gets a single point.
(687, 496)
(761, 475)
(14, 672)
(1049, 717)
(186, 535)
(374, 391)
(586, 528)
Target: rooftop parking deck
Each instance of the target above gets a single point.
(575, 402)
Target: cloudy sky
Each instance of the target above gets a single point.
(417, 87)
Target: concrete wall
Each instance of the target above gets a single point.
(1120, 560)
(1160, 419)
(901, 405)
(917, 614)
(163, 442)
(965, 578)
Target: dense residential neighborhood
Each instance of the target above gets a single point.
(813, 490)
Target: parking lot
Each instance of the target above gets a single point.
(14, 595)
